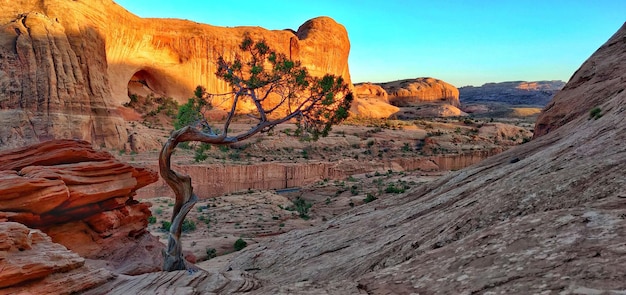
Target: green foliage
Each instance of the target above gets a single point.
(151, 219)
(369, 198)
(211, 253)
(302, 207)
(240, 244)
(316, 103)
(395, 189)
(199, 154)
(595, 113)
(165, 225)
(188, 226)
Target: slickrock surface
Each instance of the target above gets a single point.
(66, 66)
(547, 216)
(180, 282)
(83, 199)
(30, 263)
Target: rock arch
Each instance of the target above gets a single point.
(146, 82)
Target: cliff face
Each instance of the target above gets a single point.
(215, 180)
(66, 65)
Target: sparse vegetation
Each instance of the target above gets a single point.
(595, 113)
(240, 244)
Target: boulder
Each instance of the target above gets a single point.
(83, 199)
(415, 91)
(29, 255)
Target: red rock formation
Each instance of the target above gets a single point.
(414, 91)
(365, 90)
(83, 199)
(215, 180)
(29, 255)
(65, 66)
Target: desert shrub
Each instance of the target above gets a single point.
(302, 207)
(211, 253)
(151, 219)
(165, 225)
(394, 189)
(240, 244)
(369, 198)
(595, 113)
(188, 226)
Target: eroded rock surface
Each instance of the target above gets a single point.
(31, 263)
(83, 199)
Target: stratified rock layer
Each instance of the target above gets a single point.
(66, 66)
(544, 217)
(30, 263)
(83, 199)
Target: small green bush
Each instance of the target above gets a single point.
(151, 219)
(595, 113)
(369, 198)
(188, 226)
(165, 225)
(240, 244)
(211, 253)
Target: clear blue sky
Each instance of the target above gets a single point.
(461, 42)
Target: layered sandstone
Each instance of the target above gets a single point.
(32, 264)
(547, 216)
(83, 199)
(415, 91)
(66, 66)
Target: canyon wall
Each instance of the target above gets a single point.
(65, 66)
(217, 179)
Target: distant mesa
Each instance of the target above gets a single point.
(66, 67)
(535, 93)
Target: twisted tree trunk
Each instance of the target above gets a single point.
(185, 199)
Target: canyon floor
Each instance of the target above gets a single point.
(217, 222)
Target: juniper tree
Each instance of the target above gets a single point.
(281, 90)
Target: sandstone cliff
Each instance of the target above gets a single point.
(66, 66)
(547, 216)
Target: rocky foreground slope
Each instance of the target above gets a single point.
(66, 66)
(546, 216)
